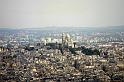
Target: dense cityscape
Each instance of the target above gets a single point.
(57, 55)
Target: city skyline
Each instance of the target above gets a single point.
(53, 56)
(68, 13)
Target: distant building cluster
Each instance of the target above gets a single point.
(60, 58)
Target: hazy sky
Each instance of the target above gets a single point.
(38, 13)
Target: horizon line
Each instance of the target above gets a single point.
(4, 27)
